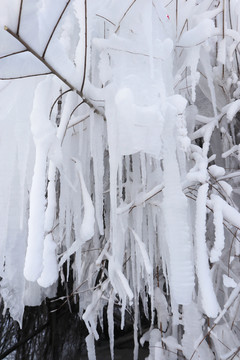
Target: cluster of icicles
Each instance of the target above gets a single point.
(120, 191)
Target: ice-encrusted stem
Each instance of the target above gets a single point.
(175, 213)
(44, 136)
(33, 262)
(50, 268)
(208, 297)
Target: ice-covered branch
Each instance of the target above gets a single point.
(52, 70)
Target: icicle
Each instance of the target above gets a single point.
(135, 328)
(91, 347)
(33, 264)
(216, 251)
(98, 167)
(142, 248)
(110, 314)
(50, 268)
(87, 227)
(208, 297)
(175, 212)
(44, 136)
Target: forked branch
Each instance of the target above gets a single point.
(52, 70)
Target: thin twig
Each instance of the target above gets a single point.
(234, 319)
(135, 53)
(14, 53)
(56, 100)
(51, 68)
(225, 221)
(68, 123)
(19, 16)
(168, 3)
(24, 340)
(78, 122)
(172, 352)
(207, 334)
(119, 24)
(56, 25)
(176, 17)
(235, 354)
(85, 46)
(106, 19)
(223, 33)
(25, 76)
(230, 250)
(185, 23)
(76, 107)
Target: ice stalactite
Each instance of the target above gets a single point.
(175, 212)
(208, 297)
(44, 135)
(123, 197)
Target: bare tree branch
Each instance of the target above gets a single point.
(12, 54)
(76, 107)
(19, 16)
(25, 76)
(78, 122)
(52, 70)
(86, 45)
(56, 100)
(119, 24)
(56, 25)
(69, 120)
(102, 17)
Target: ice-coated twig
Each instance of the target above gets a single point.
(226, 307)
(140, 199)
